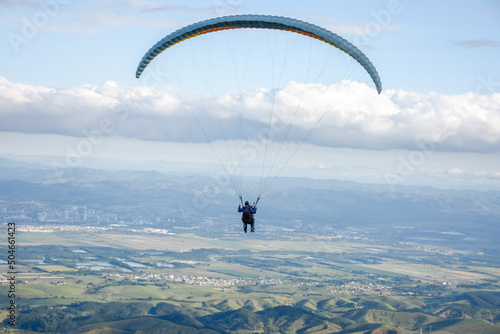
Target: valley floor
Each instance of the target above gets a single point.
(108, 280)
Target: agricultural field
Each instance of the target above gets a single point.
(321, 285)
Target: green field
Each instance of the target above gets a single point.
(306, 284)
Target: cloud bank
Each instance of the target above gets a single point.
(347, 114)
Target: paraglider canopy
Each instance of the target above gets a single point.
(250, 105)
(260, 22)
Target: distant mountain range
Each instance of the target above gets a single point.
(375, 315)
(298, 200)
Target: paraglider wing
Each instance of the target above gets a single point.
(260, 22)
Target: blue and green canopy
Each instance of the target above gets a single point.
(260, 22)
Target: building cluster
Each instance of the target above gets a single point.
(356, 289)
(93, 229)
(32, 212)
(52, 228)
(184, 279)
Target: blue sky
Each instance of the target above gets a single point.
(419, 45)
(69, 66)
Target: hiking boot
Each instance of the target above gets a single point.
(252, 230)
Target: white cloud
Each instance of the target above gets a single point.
(347, 114)
(86, 18)
(476, 43)
(360, 29)
(18, 4)
(72, 30)
(481, 173)
(455, 171)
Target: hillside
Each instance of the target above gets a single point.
(168, 318)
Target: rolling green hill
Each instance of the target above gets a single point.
(142, 325)
(307, 315)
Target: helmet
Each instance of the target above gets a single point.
(246, 203)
